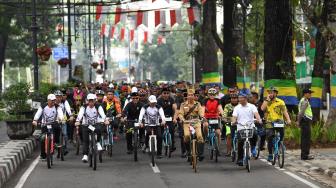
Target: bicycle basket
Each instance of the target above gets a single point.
(246, 133)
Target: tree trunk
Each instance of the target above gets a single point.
(3, 44)
(209, 46)
(278, 40)
(232, 45)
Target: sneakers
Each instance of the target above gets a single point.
(254, 152)
(85, 159)
(270, 158)
(99, 148)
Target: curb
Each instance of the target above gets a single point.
(12, 154)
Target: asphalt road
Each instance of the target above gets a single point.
(121, 171)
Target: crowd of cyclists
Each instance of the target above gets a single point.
(154, 105)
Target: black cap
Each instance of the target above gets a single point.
(135, 94)
(307, 91)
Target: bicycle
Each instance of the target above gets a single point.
(61, 144)
(192, 157)
(92, 147)
(49, 142)
(260, 132)
(213, 139)
(246, 134)
(278, 145)
(77, 141)
(234, 152)
(152, 144)
(135, 134)
(167, 138)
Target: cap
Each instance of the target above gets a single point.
(307, 91)
(58, 93)
(134, 94)
(91, 97)
(272, 89)
(134, 90)
(152, 99)
(51, 97)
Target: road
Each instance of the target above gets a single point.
(121, 171)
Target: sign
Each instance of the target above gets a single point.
(60, 52)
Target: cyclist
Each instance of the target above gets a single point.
(132, 112)
(67, 115)
(91, 113)
(275, 110)
(229, 130)
(100, 96)
(192, 110)
(48, 113)
(255, 100)
(112, 108)
(213, 109)
(242, 114)
(170, 110)
(152, 113)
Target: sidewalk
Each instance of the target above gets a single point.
(3, 132)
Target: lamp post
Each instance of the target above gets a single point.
(35, 60)
(69, 41)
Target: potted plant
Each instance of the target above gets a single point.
(18, 114)
(63, 62)
(44, 53)
(94, 65)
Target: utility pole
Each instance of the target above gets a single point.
(89, 24)
(69, 41)
(35, 60)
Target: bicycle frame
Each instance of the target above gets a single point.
(152, 136)
(51, 134)
(166, 136)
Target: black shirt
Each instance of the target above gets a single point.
(167, 106)
(132, 110)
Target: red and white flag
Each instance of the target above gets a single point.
(160, 40)
(107, 30)
(131, 35)
(194, 15)
(122, 34)
(99, 9)
(175, 17)
(102, 29)
(145, 37)
(139, 18)
(160, 17)
(119, 15)
(112, 32)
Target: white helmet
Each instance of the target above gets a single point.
(134, 90)
(91, 96)
(51, 97)
(152, 99)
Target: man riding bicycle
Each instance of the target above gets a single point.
(228, 129)
(192, 110)
(49, 113)
(152, 113)
(132, 112)
(212, 110)
(242, 114)
(275, 111)
(91, 114)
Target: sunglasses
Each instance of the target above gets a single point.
(135, 98)
(166, 93)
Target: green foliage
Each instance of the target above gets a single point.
(293, 133)
(316, 131)
(330, 133)
(15, 98)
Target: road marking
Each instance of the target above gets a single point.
(301, 179)
(25, 176)
(155, 168)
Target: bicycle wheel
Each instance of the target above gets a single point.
(77, 144)
(275, 154)
(135, 145)
(248, 157)
(61, 148)
(109, 147)
(100, 156)
(153, 151)
(258, 146)
(90, 150)
(170, 145)
(216, 149)
(94, 151)
(281, 155)
(194, 155)
(234, 151)
(48, 148)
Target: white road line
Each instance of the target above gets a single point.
(25, 176)
(301, 179)
(155, 168)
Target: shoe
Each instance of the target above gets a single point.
(85, 159)
(99, 148)
(159, 156)
(254, 152)
(240, 163)
(307, 158)
(270, 158)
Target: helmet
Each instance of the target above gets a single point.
(152, 99)
(91, 96)
(212, 91)
(134, 90)
(100, 92)
(58, 93)
(233, 96)
(242, 94)
(51, 97)
(272, 89)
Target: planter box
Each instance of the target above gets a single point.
(19, 129)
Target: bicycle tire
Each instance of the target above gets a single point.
(135, 145)
(275, 156)
(248, 157)
(281, 155)
(153, 151)
(258, 146)
(77, 144)
(234, 151)
(100, 156)
(94, 151)
(61, 146)
(110, 146)
(170, 145)
(48, 148)
(194, 155)
(216, 149)
(90, 150)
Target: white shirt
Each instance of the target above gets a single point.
(152, 115)
(49, 115)
(244, 114)
(91, 115)
(66, 107)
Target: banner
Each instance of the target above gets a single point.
(286, 88)
(316, 87)
(333, 90)
(211, 78)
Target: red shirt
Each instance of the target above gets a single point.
(211, 109)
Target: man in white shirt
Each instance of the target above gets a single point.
(243, 114)
(49, 114)
(152, 113)
(91, 114)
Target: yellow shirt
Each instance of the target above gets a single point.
(275, 110)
